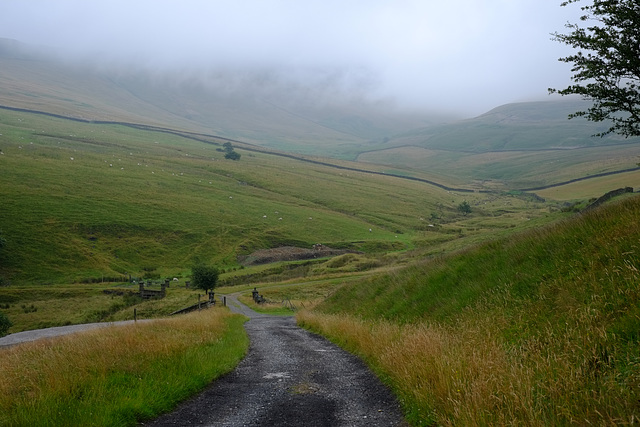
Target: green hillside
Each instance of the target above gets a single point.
(583, 256)
(539, 125)
(515, 146)
(512, 147)
(478, 301)
(255, 108)
(82, 201)
(539, 329)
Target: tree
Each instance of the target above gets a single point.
(231, 154)
(204, 277)
(607, 65)
(465, 208)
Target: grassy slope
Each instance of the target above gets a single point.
(521, 126)
(85, 200)
(513, 146)
(235, 107)
(525, 266)
(547, 320)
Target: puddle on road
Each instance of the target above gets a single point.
(276, 375)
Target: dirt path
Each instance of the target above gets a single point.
(290, 377)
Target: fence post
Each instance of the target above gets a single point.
(135, 315)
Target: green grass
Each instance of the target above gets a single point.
(586, 190)
(35, 307)
(539, 328)
(118, 376)
(82, 201)
(506, 170)
(514, 146)
(443, 286)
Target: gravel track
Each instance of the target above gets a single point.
(290, 377)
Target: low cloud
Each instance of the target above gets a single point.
(463, 55)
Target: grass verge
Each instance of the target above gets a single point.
(117, 376)
(539, 329)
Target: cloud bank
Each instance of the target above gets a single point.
(465, 56)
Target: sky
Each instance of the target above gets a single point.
(462, 56)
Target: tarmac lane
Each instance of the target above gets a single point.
(290, 377)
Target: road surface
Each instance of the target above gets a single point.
(290, 377)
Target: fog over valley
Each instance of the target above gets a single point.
(458, 58)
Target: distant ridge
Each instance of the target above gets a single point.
(528, 126)
(270, 113)
(207, 139)
(303, 123)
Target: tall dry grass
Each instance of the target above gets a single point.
(542, 328)
(467, 375)
(119, 375)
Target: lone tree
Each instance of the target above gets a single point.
(230, 153)
(204, 277)
(607, 65)
(465, 208)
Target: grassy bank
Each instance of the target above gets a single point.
(539, 329)
(32, 307)
(120, 375)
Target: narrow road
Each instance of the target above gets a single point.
(290, 377)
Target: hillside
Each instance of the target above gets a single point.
(83, 201)
(512, 147)
(515, 146)
(258, 108)
(526, 126)
(539, 328)
(115, 199)
(478, 302)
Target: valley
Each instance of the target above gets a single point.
(466, 272)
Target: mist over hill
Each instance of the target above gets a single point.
(323, 112)
(309, 113)
(520, 126)
(513, 146)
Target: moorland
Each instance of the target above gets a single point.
(521, 309)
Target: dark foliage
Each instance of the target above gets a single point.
(204, 277)
(464, 208)
(607, 65)
(230, 153)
